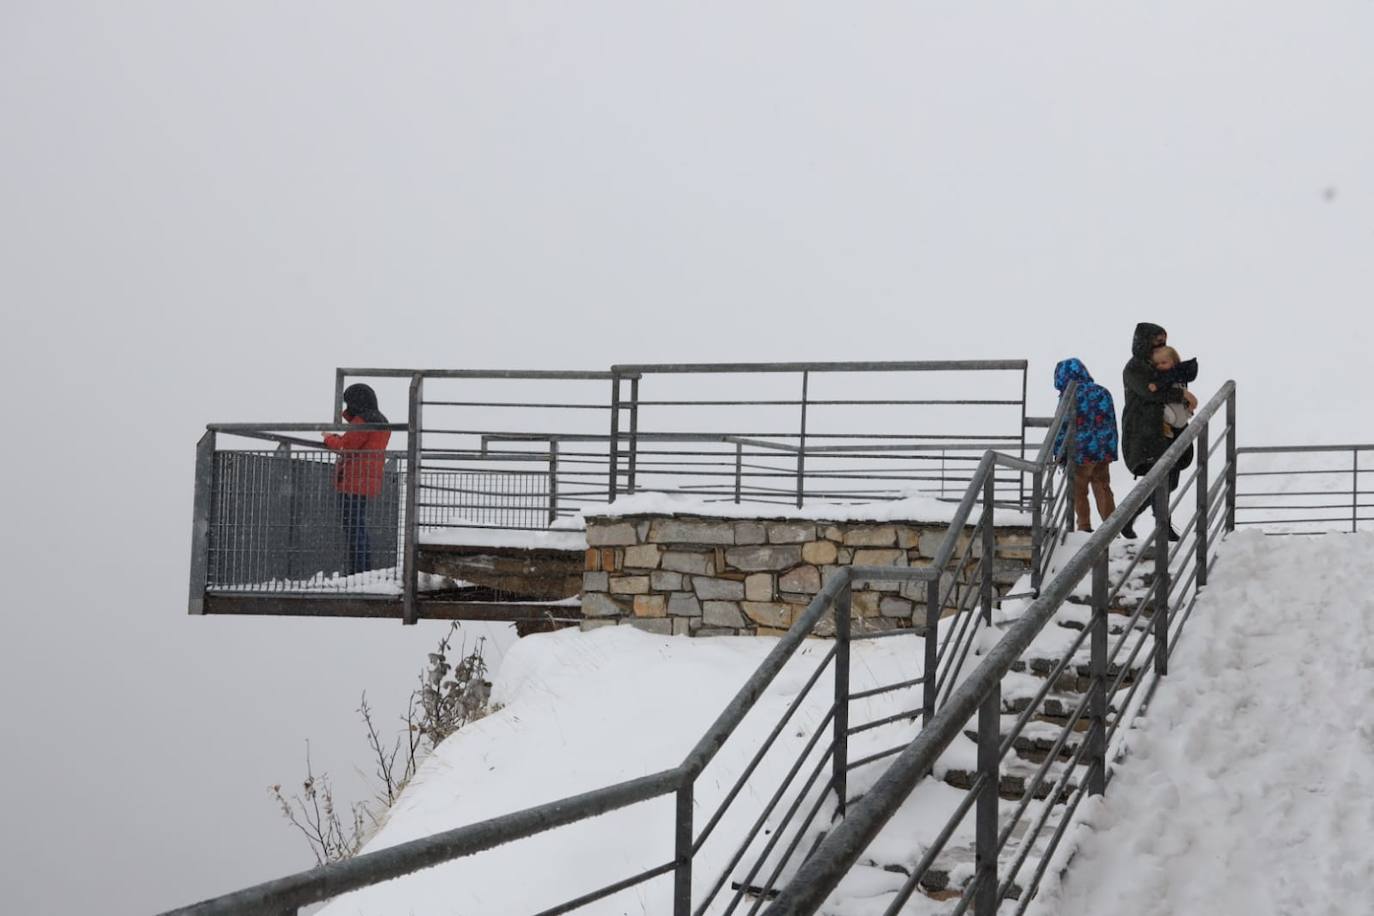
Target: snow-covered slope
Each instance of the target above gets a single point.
(1250, 784)
(585, 710)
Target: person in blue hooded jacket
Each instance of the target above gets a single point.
(1094, 441)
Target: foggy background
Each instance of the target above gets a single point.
(205, 208)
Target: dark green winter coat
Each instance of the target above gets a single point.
(1142, 419)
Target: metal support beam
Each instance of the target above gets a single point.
(410, 567)
(682, 845)
(932, 648)
(1097, 749)
(634, 434)
(612, 483)
(989, 549)
(553, 481)
(1231, 461)
(840, 757)
(1203, 504)
(201, 508)
(985, 815)
(801, 444)
(1161, 596)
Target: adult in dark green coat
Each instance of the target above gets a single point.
(1142, 419)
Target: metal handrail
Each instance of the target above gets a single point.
(1281, 501)
(833, 598)
(980, 693)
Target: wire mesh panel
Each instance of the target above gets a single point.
(280, 521)
(450, 497)
(1305, 489)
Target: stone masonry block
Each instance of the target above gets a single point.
(803, 579)
(642, 556)
(630, 585)
(718, 589)
(684, 604)
(769, 613)
(614, 535)
(721, 614)
(685, 531)
(895, 607)
(864, 604)
(650, 606)
(874, 536)
(599, 604)
(747, 533)
(790, 533)
(908, 538)
(661, 581)
(593, 559)
(595, 582)
(758, 559)
(819, 553)
(659, 626)
(759, 587)
(696, 563)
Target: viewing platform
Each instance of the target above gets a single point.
(491, 525)
(511, 467)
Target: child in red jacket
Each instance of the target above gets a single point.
(359, 470)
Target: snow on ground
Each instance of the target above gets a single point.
(525, 539)
(914, 508)
(581, 711)
(385, 581)
(1249, 787)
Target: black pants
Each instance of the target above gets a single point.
(1174, 476)
(353, 517)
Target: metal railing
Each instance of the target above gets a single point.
(1115, 671)
(526, 450)
(856, 727)
(1305, 489)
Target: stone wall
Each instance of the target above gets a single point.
(714, 576)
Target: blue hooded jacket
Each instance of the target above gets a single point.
(1095, 418)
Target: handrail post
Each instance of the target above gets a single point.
(1231, 460)
(634, 434)
(338, 395)
(985, 842)
(1021, 478)
(1097, 749)
(682, 874)
(1070, 470)
(1203, 503)
(1161, 598)
(989, 544)
(1037, 528)
(801, 444)
(612, 484)
(410, 570)
(932, 647)
(553, 481)
(739, 469)
(1354, 490)
(201, 508)
(840, 756)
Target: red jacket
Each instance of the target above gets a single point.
(362, 459)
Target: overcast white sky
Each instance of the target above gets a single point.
(204, 208)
